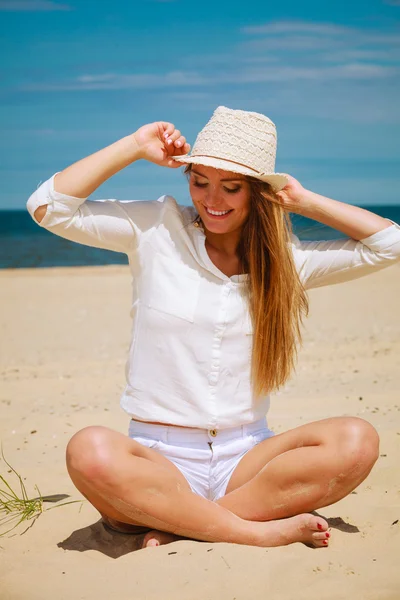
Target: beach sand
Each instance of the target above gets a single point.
(64, 338)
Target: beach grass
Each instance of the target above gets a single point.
(16, 507)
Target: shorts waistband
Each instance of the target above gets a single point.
(172, 433)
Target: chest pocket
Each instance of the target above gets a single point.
(173, 289)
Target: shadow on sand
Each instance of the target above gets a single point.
(338, 523)
(97, 537)
(115, 544)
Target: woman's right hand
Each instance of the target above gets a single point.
(159, 141)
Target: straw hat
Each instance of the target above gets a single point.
(238, 141)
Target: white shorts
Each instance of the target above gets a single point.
(206, 457)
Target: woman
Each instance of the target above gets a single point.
(218, 299)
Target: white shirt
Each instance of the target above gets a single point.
(189, 357)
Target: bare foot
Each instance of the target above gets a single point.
(159, 538)
(304, 528)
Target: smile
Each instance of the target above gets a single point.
(217, 213)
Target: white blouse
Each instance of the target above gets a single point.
(189, 356)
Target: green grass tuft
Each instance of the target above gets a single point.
(17, 508)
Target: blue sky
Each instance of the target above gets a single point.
(80, 74)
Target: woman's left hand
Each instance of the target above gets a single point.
(293, 197)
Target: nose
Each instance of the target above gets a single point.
(211, 198)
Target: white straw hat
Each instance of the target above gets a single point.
(238, 141)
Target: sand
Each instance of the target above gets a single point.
(61, 371)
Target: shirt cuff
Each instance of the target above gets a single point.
(47, 195)
(385, 238)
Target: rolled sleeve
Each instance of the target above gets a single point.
(108, 224)
(329, 262)
(59, 206)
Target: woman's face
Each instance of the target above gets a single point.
(216, 191)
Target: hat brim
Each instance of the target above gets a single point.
(277, 180)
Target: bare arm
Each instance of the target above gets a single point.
(83, 177)
(358, 223)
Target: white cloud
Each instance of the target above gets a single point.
(188, 79)
(32, 6)
(115, 81)
(277, 27)
(290, 43)
(325, 70)
(350, 55)
(290, 36)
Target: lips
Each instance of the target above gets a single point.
(218, 216)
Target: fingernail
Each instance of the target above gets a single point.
(328, 535)
(325, 542)
(169, 141)
(177, 143)
(165, 135)
(319, 526)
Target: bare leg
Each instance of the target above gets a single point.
(114, 473)
(303, 469)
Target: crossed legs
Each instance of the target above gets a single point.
(268, 498)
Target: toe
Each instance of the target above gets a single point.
(158, 538)
(321, 543)
(318, 524)
(152, 538)
(321, 535)
(152, 542)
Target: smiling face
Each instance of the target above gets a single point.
(222, 198)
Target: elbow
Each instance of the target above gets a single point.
(37, 206)
(40, 213)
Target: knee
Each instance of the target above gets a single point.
(357, 442)
(88, 454)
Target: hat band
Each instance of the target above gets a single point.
(226, 160)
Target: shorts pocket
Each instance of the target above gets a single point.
(260, 436)
(146, 441)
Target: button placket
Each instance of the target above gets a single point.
(217, 339)
(215, 365)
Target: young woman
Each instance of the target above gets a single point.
(219, 292)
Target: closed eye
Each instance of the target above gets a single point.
(229, 190)
(197, 184)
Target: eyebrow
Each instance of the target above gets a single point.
(231, 179)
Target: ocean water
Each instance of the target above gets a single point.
(23, 244)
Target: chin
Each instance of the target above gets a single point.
(218, 227)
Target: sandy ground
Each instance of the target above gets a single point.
(60, 372)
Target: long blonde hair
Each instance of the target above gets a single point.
(276, 297)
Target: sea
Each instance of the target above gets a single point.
(23, 244)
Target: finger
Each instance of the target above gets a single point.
(180, 142)
(166, 129)
(173, 137)
(281, 197)
(173, 164)
(185, 149)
